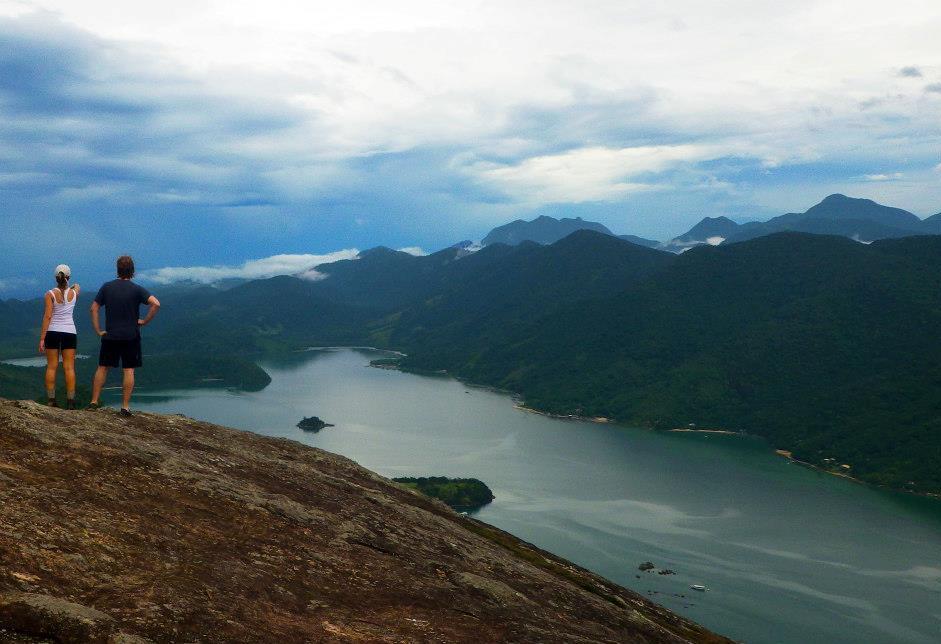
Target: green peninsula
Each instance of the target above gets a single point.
(460, 494)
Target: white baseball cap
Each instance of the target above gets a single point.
(64, 269)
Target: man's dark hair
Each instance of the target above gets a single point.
(125, 267)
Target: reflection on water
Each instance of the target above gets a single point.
(790, 554)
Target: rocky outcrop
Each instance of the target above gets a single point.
(165, 529)
(312, 424)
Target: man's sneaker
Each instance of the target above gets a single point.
(126, 412)
(93, 407)
(70, 403)
(52, 402)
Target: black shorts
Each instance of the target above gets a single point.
(60, 340)
(127, 352)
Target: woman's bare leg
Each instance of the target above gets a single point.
(68, 366)
(52, 365)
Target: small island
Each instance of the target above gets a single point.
(313, 424)
(460, 494)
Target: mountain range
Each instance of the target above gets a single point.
(826, 347)
(860, 219)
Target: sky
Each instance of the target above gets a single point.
(212, 138)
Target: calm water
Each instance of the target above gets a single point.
(790, 555)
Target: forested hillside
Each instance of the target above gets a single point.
(827, 347)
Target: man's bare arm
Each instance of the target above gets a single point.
(154, 307)
(94, 319)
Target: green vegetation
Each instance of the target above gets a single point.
(175, 371)
(159, 372)
(27, 383)
(386, 363)
(826, 347)
(168, 364)
(20, 383)
(460, 494)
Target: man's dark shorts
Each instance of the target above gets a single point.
(127, 352)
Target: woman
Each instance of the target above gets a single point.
(58, 335)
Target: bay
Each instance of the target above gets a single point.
(788, 554)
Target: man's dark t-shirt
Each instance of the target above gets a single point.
(122, 300)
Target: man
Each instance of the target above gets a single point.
(120, 341)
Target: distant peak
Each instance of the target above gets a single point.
(839, 198)
(543, 230)
(378, 251)
(721, 218)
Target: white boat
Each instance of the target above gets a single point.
(698, 587)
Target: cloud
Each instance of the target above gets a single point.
(17, 284)
(188, 129)
(301, 265)
(312, 275)
(586, 174)
(883, 177)
(910, 72)
(933, 88)
(416, 251)
(87, 120)
(676, 246)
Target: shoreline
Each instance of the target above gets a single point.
(517, 404)
(590, 419)
(394, 366)
(727, 432)
(327, 348)
(788, 456)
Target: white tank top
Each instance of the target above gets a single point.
(62, 312)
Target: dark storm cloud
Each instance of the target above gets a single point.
(76, 111)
